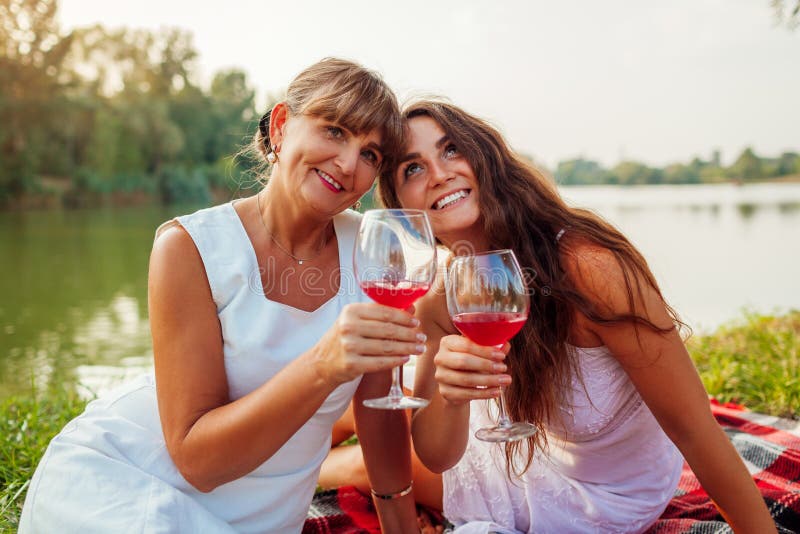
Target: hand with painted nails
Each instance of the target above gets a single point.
(367, 337)
(467, 371)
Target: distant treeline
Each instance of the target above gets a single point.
(107, 111)
(99, 112)
(748, 167)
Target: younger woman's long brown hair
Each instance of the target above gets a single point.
(522, 210)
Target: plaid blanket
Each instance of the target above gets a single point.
(773, 458)
(771, 455)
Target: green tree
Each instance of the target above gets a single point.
(580, 172)
(787, 13)
(635, 173)
(747, 166)
(31, 55)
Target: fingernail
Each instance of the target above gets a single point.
(499, 367)
(505, 380)
(414, 321)
(422, 337)
(498, 354)
(420, 349)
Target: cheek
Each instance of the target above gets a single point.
(365, 177)
(411, 195)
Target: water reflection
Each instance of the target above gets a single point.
(789, 207)
(74, 284)
(74, 287)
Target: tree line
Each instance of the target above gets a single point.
(748, 167)
(120, 110)
(112, 110)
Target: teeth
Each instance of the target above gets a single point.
(330, 180)
(451, 198)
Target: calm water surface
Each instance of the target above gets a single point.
(74, 283)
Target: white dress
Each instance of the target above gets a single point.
(609, 469)
(108, 470)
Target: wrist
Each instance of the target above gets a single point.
(392, 496)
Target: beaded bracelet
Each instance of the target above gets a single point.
(390, 496)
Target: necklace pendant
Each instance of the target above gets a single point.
(300, 262)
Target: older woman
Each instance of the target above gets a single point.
(260, 341)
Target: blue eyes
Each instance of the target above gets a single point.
(370, 156)
(450, 152)
(334, 132)
(338, 134)
(411, 168)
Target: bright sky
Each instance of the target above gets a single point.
(649, 80)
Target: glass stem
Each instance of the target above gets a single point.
(396, 391)
(503, 420)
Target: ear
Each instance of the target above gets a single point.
(277, 121)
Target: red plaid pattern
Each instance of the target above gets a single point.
(771, 455)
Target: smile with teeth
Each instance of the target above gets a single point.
(450, 199)
(328, 178)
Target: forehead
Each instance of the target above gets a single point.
(423, 133)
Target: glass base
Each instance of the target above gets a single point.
(512, 432)
(396, 403)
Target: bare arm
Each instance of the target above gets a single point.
(384, 438)
(211, 439)
(663, 373)
(447, 374)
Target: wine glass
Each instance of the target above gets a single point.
(488, 302)
(395, 263)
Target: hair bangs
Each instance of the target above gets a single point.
(361, 106)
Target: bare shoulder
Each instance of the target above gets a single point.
(594, 269)
(175, 264)
(431, 309)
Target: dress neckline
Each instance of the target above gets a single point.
(257, 267)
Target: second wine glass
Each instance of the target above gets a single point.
(488, 302)
(395, 263)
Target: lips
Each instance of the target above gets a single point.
(450, 199)
(329, 181)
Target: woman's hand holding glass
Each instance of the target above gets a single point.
(466, 371)
(367, 337)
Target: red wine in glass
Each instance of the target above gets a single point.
(400, 295)
(488, 302)
(395, 263)
(489, 328)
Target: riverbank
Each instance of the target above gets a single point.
(63, 192)
(753, 361)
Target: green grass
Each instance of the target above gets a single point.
(754, 361)
(26, 426)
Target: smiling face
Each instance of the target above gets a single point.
(434, 176)
(325, 164)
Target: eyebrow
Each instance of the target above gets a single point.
(414, 155)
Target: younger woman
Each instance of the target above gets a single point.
(599, 367)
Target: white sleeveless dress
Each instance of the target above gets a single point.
(609, 469)
(109, 469)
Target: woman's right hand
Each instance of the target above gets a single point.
(367, 337)
(467, 371)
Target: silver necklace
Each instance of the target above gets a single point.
(283, 249)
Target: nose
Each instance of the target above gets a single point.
(347, 159)
(440, 174)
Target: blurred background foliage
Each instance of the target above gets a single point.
(99, 111)
(98, 114)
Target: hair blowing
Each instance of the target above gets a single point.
(344, 93)
(522, 210)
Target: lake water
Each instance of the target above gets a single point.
(74, 283)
